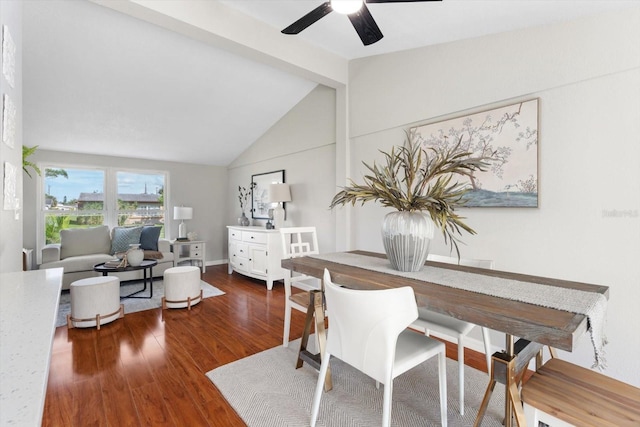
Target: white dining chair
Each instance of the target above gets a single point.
(368, 330)
(297, 242)
(430, 321)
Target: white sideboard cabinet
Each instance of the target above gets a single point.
(256, 252)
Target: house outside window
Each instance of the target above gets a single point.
(76, 197)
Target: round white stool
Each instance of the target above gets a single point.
(94, 302)
(181, 287)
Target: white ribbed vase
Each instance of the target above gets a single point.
(406, 237)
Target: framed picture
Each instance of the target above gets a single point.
(508, 138)
(8, 121)
(8, 56)
(11, 201)
(260, 193)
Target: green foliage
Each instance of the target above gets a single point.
(89, 220)
(416, 179)
(53, 225)
(54, 173)
(26, 152)
(92, 206)
(127, 206)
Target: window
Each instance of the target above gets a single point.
(140, 198)
(76, 197)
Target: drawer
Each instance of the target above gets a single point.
(241, 265)
(196, 247)
(235, 235)
(196, 254)
(242, 250)
(252, 237)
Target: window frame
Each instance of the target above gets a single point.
(110, 189)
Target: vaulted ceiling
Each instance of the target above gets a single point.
(100, 81)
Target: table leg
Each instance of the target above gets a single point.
(508, 368)
(151, 282)
(507, 400)
(321, 333)
(314, 309)
(144, 281)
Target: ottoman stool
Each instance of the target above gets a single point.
(94, 302)
(181, 287)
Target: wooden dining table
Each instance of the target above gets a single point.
(535, 326)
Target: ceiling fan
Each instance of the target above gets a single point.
(357, 12)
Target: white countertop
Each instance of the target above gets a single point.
(28, 309)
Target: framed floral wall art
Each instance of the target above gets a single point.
(508, 138)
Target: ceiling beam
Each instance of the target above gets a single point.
(223, 27)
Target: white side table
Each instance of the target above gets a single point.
(189, 250)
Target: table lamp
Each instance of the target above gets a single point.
(279, 193)
(182, 213)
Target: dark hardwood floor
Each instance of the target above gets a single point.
(148, 369)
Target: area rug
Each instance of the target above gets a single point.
(266, 390)
(131, 305)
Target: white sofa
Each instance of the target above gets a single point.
(82, 248)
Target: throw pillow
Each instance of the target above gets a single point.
(149, 238)
(123, 237)
(84, 241)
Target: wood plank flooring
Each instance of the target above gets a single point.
(148, 369)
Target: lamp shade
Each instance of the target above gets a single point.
(182, 212)
(279, 193)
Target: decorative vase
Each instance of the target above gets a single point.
(243, 220)
(135, 255)
(406, 237)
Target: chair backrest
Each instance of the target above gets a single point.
(299, 241)
(480, 263)
(364, 325)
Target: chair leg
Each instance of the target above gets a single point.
(442, 379)
(487, 348)
(386, 405)
(324, 366)
(287, 324)
(461, 371)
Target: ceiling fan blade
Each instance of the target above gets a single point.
(308, 19)
(365, 26)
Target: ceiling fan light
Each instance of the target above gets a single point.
(346, 7)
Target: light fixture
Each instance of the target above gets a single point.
(182, 213)
(279, 193)
(346, 7)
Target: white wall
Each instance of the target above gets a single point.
(11, 221)
(303, 144)
(587, 76)
(202, 187)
